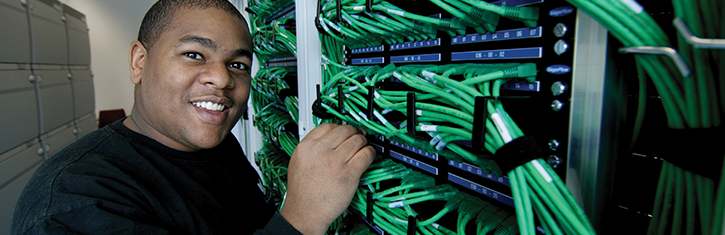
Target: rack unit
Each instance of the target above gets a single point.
(567, 99)
(563, 109)
(579, 77)
(47, 87)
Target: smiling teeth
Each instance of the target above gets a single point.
(210, 105)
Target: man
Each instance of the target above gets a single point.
(172, 167)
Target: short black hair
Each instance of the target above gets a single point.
(158, 19)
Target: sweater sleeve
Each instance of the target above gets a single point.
(277, 225)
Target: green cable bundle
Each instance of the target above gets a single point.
(270, 83)
(264, 9)
(357, 27)
(445, 105)
(693, 102)
(392, 206)
(273, 167)
(272, 123)
(273, 40)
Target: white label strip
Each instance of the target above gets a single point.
(633, 5)
(542, 171)
(396, 12)
(380, 117)
(363, 116)
(428, 128)
(501, 128)
(435, 140)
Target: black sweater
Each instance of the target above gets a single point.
(117, 181)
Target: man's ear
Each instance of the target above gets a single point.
(138, 61)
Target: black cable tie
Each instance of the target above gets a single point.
(371, 102)
(369, 215)
(480, 114)
(412, 225)
(411, 114)
(518, 152)
(369, 5)
(317, 108)
(339, 11)
(317, 17)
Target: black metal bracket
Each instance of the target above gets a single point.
(317, 108)
(339, 10)
(411, 114)
(340, 100)
(480, 114)
(319, 95)
(317, 18)
(369, 212)
(412, 225)
(371, 102)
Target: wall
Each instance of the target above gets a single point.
(113, 26)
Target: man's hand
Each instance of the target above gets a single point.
(324, 173)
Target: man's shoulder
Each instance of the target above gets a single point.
(83, 155)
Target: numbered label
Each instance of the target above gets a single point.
(368, 49)
(416, 44)
(519, 53)
(373, 60)
(479, 172)
(499, 35)
(416, 58)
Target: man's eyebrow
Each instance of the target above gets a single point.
(205, 42)
(242, 52)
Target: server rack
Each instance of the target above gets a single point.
(46, 85)
(592, 134)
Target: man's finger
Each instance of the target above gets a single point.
(337, 136)
(352, 143)
(361, 160)
(319, 131)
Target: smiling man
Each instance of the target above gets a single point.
(172, 166)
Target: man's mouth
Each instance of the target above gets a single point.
(210, 106)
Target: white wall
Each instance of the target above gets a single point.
(113, 25)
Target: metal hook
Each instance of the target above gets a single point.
(668, 51)
(695, 41)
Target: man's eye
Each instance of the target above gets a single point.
(193, 55)
(238, 65)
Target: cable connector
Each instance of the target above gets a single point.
(528, 15)
(453, 23)
(472, 206)
(487, 19)
(508, 226)
(521, 71)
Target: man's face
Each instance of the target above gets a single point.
(194, 83)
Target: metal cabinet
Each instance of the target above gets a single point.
(49, 44)
(17, 94)
(46, 90)
(15, 36)
(56, 97)
(83, 93)
(18, 160)
(79, 46)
